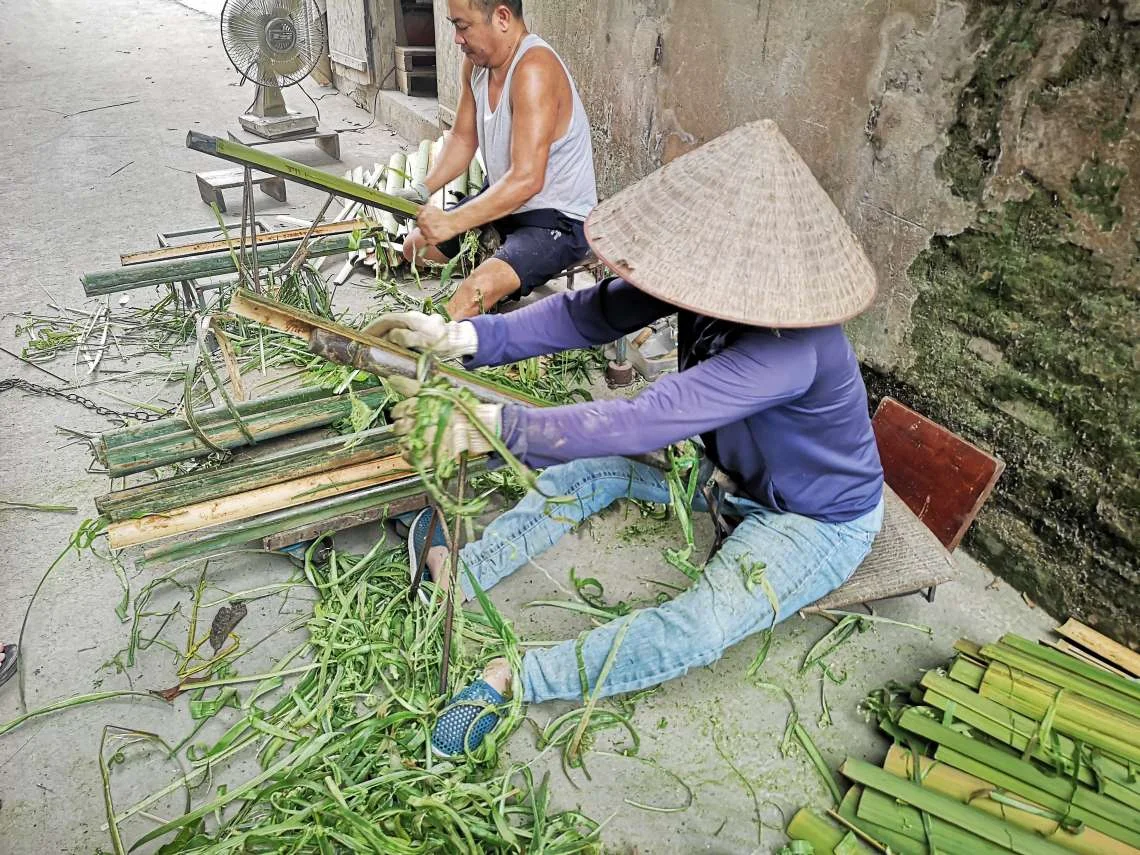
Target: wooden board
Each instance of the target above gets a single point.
(1101, 645)
(1076, 652)
(168, 253)
(943, 478)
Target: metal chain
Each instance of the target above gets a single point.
(24, 385)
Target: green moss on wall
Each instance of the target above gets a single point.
(1026, 342)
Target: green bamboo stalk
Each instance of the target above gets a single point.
(823, 835)
(217, 264)
(967, 672)
(211, 417)
(1019, 776)
(261, 159)
(946, 809)
(899, 844)
(334, 452)
(906, 822)
(1125, 700)
(138, 457)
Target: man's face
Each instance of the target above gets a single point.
(479, 37)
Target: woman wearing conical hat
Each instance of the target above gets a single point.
(740, 240)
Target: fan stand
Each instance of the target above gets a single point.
(270, 119)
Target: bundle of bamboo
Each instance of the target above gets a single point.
(1015, 747)
(152, 444)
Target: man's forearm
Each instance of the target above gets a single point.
(499, 200)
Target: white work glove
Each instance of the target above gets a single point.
(459, 434)
(422, 332)
(415, 192)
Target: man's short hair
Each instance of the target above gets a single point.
(488, 6)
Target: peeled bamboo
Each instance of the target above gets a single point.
(475, 176)
(155, 497)
(418, 163)
(394, 180)
(899, 844)
(455, 190)
(436, 147)
(976, 793)
(264, 500)
(947, 809)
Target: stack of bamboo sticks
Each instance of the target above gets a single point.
(1015, 747)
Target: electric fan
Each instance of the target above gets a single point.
(274, 43)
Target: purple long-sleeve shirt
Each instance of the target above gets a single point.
(782, 412)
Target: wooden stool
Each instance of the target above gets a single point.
(936, 484)
(211, 185)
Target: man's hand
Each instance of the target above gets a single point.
(422, 332)
(460, 433)
(416, 192)
(436, 225)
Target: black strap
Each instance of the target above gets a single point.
(714, 498)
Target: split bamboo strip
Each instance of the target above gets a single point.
(264, 500)
(238, 534)
(899, 844)
(1083, 720)
(1088, 673)
(169, 253)
(333, 452)
(976, 793)
(1005, 770)
(947, 809)
(437, 197)
(1125, 699)
(823, 835)
(1022, 733)
(186, 444)
(218, 264)
(316, 178)
(394, 179)
(1101, 645)
(906, 822)
(966, 671)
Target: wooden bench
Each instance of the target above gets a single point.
(936, 482)
(211, 184)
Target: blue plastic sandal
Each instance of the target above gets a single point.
(418, 542)
(465, 721)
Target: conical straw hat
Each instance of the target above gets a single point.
(737, 229)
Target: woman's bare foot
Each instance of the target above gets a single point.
(497, 674)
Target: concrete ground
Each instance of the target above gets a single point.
(84, 181)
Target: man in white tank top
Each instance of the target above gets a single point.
(518, 104)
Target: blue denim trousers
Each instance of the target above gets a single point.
(803, 559)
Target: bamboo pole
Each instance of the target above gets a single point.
(394, 179)
(294, 171)
(947, 809)
(180, 269)
(240, 533)
(240, 506)
(186, 444)
(977, 794)
(156, 497)
(823, 835)
(211, 417)
(1067, 647)
(348, 346)
(1101, 645)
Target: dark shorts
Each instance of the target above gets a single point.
(538, 245)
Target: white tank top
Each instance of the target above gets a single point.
(570, 186)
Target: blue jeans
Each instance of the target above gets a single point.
(804, 560)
